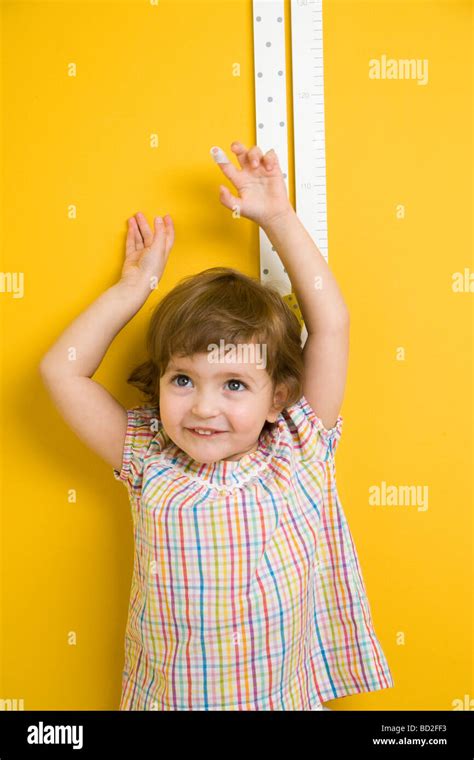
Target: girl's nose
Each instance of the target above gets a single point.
(205, 407)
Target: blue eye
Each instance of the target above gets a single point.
(238, 381)
(175, 377)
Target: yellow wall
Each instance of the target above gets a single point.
(399, 177)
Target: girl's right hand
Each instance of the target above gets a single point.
(146, 252)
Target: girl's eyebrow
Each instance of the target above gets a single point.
(226, 373)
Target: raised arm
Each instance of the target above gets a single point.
(326, 351)
(264, 199)
(90, 410)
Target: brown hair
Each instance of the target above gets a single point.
(222, 303)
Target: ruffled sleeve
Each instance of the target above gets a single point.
(143, 427)
(310, 436)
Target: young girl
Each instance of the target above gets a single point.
(247, 592)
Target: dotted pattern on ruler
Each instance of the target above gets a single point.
(271, 120)
(308, 111)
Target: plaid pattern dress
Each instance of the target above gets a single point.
(247, 593)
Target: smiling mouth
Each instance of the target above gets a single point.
(208, 434)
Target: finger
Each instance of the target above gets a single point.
(164, 233)
(255, 155)
(130, 241)
(228, 168)
(159, 237)
(145, 230)
(270, 159)
(241, 152)
(169, 232)
(138, 240)
(228, 200)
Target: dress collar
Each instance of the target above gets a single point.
(223, 472)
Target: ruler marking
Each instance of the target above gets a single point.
(308, 117)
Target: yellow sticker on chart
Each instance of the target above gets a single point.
(290, 299)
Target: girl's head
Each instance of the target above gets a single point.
(225, 353)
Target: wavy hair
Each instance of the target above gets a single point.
(215, 304)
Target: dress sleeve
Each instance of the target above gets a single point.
(310, 436)
(142, 427)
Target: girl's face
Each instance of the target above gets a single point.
(232, 397)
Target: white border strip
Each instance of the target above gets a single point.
(271, 113)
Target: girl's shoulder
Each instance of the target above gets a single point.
(144, 429)
(309, 436)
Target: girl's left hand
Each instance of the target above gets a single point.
(147, 252)
(261, 186)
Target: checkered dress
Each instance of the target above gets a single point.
(247, 592)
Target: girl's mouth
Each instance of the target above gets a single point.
(196, 432)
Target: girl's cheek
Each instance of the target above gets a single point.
(245, 421)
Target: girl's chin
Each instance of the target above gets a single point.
(207, 443)
(201, 458)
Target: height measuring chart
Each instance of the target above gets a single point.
(308, 119)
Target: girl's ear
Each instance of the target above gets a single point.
(279, 400)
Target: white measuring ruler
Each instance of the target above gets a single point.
(308, 117)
